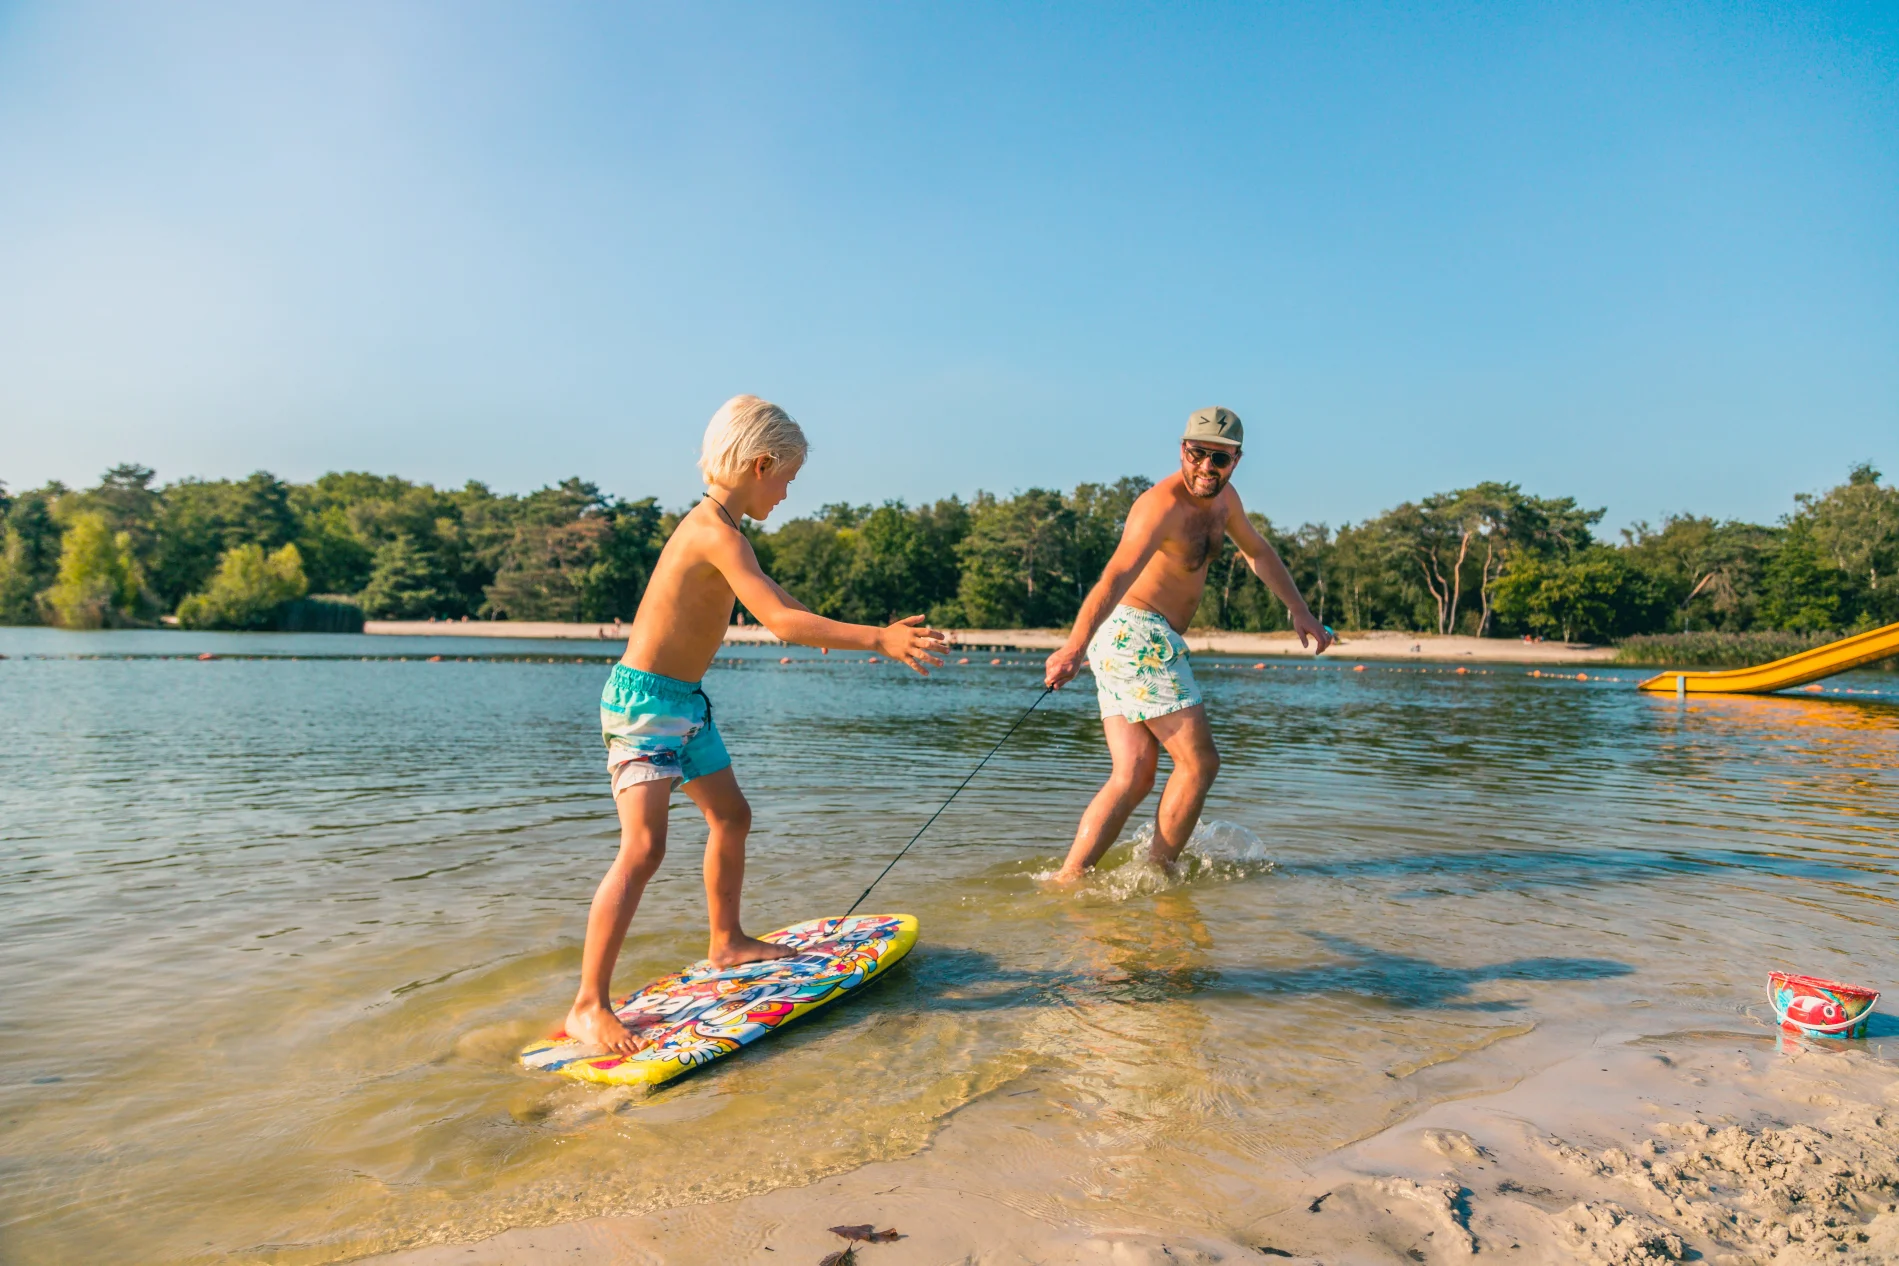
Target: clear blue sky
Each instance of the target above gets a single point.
(1647, 255)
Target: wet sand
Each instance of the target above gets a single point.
(1733, 1146)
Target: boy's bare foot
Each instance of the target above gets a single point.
(596, 1025)
(745, 949)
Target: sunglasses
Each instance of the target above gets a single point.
(1218, 458)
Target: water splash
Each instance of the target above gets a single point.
(1216, 852)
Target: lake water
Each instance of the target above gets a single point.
(271, 929)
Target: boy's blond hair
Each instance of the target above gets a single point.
(745, 429)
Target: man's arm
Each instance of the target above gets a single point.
(1139, 539)
(789, 620)
(1265, 562)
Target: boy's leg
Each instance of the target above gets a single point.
(1136, 755)
(729, 819)
(642, 808)
(1190, 743)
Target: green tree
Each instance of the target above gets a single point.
(891, 567)
(1018, 564)
(1372, 581)
(575, 555)
(472, 539)
(623, 561)
(1461, 542)
(405, 582)
(941, 528)
(201, 520)
(346, 517)
(129, 504)
(1592, 595)
(1436, 534)
(336, 559)
(1708, 573)
(1855, 527)
(545, 570)
(812, 558)
(98, 584)
(1801, 590)
(247, 590)
(29, 556)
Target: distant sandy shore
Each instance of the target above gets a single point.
(1352, 646)
(1711, 1145)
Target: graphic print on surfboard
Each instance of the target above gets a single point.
(696, 1015)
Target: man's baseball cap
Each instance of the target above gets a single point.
(1215, 425)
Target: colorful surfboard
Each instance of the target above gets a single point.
(696, 1015)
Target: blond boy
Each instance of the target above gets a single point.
(657, 720)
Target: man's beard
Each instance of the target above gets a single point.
(1217, 479)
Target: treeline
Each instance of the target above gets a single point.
(1489, 560)
(233, 553)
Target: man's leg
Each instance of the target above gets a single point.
(730, 818)
(1135, 755)
(1190, 743)
(642, 808)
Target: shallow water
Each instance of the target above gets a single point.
(272, 929)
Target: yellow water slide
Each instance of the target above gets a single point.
(1795, 670)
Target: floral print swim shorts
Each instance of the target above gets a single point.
(1141, 666)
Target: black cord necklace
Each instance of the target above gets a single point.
(727, 513)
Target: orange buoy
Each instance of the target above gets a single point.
(1814, 689)
(784, 659)
(1462, 671)
(1259, 665)
(872, 660)
(207, 655)
(1358, 668)
(435, 659)
(963, 660)
(1582, 676)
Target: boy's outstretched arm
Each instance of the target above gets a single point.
(908, 641)
(1139, 539)
(1266, 564)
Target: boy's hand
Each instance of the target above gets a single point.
(1062, 666)
(910, 641)
(1306, 624)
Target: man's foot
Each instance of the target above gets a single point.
(1170, 866)
(745, 949)
(1066, 877)
(595, 1025)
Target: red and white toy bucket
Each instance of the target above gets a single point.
(1812, 1007)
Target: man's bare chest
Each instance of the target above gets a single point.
(1194, 539)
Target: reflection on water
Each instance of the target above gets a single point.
(273, 930)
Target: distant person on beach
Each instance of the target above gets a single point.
(1130, 627)
(656, 717)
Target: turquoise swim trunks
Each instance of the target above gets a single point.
(1141, 666)
(657, 727)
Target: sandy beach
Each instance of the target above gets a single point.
(1419, 901)
(1375, 645)
(1722, 1145)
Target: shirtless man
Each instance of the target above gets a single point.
(1129, 629)
(657, 720)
